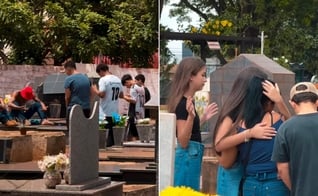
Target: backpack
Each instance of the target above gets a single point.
(147, 95)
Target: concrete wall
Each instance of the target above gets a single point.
(15, 77)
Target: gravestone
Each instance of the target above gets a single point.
(167, 145)
(84, 148)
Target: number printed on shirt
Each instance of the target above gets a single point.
(115, 93)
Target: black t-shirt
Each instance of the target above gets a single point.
(182, 114)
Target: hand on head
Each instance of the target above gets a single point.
(271, 91)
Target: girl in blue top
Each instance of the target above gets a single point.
(261, 177)
(226, 138)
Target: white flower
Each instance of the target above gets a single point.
(53, 162)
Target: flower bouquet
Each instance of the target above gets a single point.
(52, 165)
(118, 120)
(102, 123)
(119, 128)
(53, 162)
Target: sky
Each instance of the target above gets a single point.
(175, 46)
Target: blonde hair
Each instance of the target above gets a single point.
(188, 67)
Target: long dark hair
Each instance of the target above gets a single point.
(255, 102)
(234, 103)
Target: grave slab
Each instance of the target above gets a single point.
(167, 144)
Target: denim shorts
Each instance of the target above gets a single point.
(228, 180)
(187, 165)
(264, 184)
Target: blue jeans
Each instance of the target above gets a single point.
(4, 116)
(22, 115)
(228, 180)
(187, 165)
(264, 184)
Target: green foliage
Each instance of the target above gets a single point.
(290, 25)
(126, 31)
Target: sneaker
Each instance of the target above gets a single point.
(11, 123)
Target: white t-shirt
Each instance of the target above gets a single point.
(111, 85)
(138, 94)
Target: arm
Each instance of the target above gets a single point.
(131, 98)
(95, 91)
(259, 131)
(121, 94)
(283, 172)
(67, 96)
(12, 105)
(273, 93)
(184, 127)
(44, 107)
(2, 105)
(209, 111)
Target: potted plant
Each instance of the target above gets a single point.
(103, 133)
(145, 129)
(119, 128)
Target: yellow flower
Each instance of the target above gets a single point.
(182, 190)
(217, 22)
(217, 33)
(204, 31)
(224, 23)
(194, 29)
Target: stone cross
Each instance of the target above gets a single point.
(262, 36)
(167, 145)
(84, 150)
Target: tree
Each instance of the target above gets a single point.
(290, 25)
(124, 30)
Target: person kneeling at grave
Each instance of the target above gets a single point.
(23, 104)
(5, 117)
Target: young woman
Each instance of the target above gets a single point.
(189, 78)
(226, 137)
(261, 177)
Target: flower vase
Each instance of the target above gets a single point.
(103, 137)
(144, 132)
(52, 178)
(119, 135)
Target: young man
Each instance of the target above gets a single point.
(77, 89)
(136, 99)
(20, 111)
(140, 81)
(296, 143)
(110, 90)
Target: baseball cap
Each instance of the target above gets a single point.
(303, 87)
(27, 93)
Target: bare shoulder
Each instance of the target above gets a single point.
(276, 116)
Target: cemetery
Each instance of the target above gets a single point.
(219, 85)
(127, 168)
